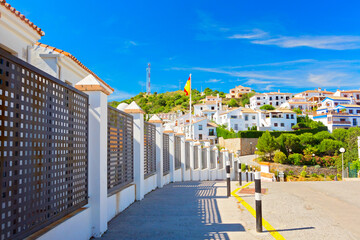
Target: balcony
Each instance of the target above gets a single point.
(340, 122)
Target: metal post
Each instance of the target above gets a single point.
(240, 175)
(228, 177)
(251, 175)
(246, 173)
(258, 202)
(342, 166)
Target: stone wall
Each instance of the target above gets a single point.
(298, 169)
(245, 145)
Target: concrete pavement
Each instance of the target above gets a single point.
(201, 210)
(187, 210)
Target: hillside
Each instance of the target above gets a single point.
(173, 101)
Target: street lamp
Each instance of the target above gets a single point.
(342, 150)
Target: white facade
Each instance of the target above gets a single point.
(275, 99)
(238, 119)
(338, 112)
(238, 92)
(201, 130)
(354, 94)
(209, 107)
(278, 120)
(241, 119)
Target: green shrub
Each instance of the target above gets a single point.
(303, 174)
(317, 166)
(314, 175)
(322, 175)
(280, 157)
(332, 176)
(243, 167)
(305, 168)
(291, 173)
(295, 159)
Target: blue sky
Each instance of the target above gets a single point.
(267, 45)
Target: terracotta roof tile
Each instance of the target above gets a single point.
(74, 59)
(22, 17)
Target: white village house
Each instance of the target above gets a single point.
(338, 112)
(272, 98)
(241, 119)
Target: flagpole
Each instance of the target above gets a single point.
(190, 111)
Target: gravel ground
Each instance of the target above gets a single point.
(310, 210)
(249, 160)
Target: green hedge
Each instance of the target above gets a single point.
(221, 132)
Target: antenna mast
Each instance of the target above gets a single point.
(148, 89)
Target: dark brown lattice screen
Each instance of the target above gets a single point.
(166, 154)
(187, 155)
(196, 157)
(120, 150)
(221, 160)
(212, 159)
(177, 153)
(150, 149)
(43, 148)
(204, 158)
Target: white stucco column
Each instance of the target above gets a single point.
(171, 153)
(226, 157)
(97, 177)
(215, 149)
(200, 158)
(191, 159)
(159, 149)
(183, 164)
(138, 128)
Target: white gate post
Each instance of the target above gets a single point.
(171, 152)
(98, 129)
(191, 160)
(208, 159)
(183, 162)
(159, 149)
(138, 115)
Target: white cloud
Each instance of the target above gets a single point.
(328, 79)
(119, 95)
(213, 80)
(247, 74)
(255, 81)
(254, 34)
(320, 42)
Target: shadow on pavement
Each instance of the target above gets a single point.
(186, 210)
(291, 229)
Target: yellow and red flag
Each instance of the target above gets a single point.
(187, 87)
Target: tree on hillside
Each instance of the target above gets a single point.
(330, 146)
(267, 107)
(267, 144)
(289, 143)
(307, 139)
(245, 99)
(320, 136)
(340, 134)
(297, 110)
(233, 103)
(351, 153)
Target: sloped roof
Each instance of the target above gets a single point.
(22, 17)
(210, 124)
(67, 54)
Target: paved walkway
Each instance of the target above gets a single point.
(187, 210)
(201, 210)
(248, 159)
